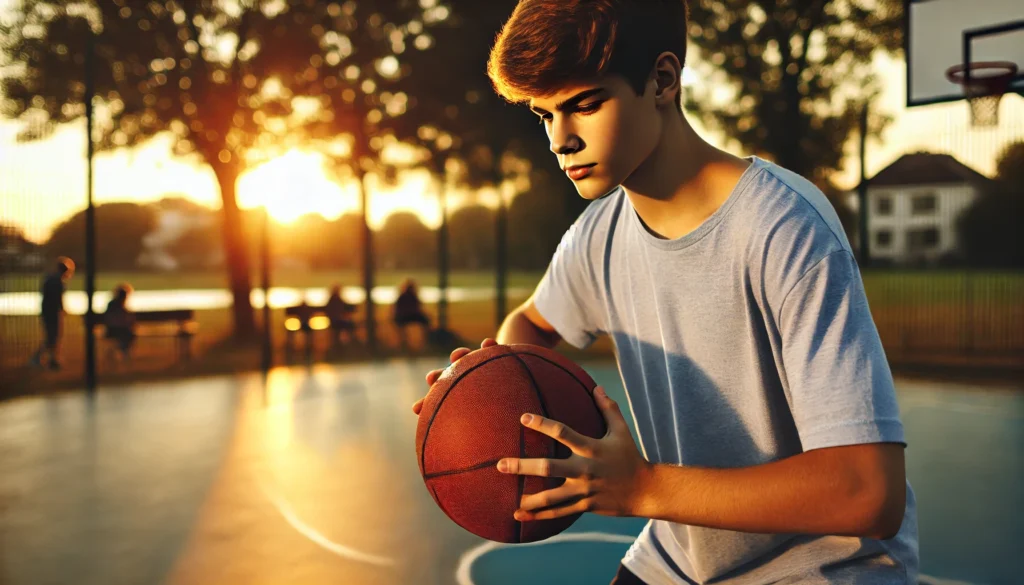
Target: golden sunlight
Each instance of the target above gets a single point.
(295, 184)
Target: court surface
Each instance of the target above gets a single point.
(310, 477)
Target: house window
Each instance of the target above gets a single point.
(924, 204)
(883, 205)
(922, 239)
(883, 238)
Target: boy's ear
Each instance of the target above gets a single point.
(667, 79)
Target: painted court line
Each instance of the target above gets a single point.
(321, 540)
(462, 573)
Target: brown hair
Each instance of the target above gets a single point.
(547, 44)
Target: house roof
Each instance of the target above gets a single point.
(925, 168)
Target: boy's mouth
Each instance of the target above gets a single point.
(577, 172)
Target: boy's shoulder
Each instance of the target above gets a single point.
(787, 205)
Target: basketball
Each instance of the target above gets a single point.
(470, 421)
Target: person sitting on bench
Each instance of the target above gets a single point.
(119, 321)
(409, 311)
(340, 314)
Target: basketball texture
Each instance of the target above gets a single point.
(470, 421)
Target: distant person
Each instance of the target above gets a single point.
(120, 321)
(340, 312)
(409, 311)
(52, 313)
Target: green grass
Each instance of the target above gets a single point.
(280, 278)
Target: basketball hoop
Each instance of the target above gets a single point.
(984, 84)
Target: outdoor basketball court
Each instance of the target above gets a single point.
(311, 477)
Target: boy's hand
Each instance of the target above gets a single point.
(606, 476)
(456, 356)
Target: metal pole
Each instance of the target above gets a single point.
(90, 218)
(501, 234)
(371, 322)
(862, 189)
(268, 358)
(442, 260)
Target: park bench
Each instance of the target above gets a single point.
(308, 319)
(178, 324)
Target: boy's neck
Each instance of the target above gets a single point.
(683, 182)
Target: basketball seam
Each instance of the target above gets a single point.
(589, 391)
(533, 384)
(463, 470)
(552, 448)
(560, 367)
(430, 423)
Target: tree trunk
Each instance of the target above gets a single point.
(442, 259)
(500, 261)
(236, 254)
(371, 318)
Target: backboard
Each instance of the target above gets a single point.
(944, 33)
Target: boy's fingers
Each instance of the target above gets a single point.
(433, 376)
(488, 343)
(417, 406)
(458, 354)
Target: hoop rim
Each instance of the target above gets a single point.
(956, 75)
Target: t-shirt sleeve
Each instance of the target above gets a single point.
(836, 374)
(567, 294)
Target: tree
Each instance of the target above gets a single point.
(405, 243)
(230, 80)
(472, 245)
(990, 230)
(800, 71)
(120, 228)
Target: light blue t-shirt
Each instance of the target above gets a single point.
(744, 342)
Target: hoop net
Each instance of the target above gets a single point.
(984, 83)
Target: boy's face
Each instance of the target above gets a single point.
(601, 132)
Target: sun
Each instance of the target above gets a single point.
(293, 185)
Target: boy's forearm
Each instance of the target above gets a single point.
(518, 329)
(818, 492)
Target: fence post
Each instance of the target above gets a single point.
(90, 216)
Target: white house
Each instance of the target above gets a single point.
(174, 218)
(914, 204)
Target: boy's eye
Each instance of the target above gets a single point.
(543, 119)
(591, 107)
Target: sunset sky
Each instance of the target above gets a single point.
(43, 183)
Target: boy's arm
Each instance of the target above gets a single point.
(857, 490)
(527, 325)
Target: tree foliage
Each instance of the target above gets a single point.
(990, 230)
(120, 228)
(234, 81)
(799, 72)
